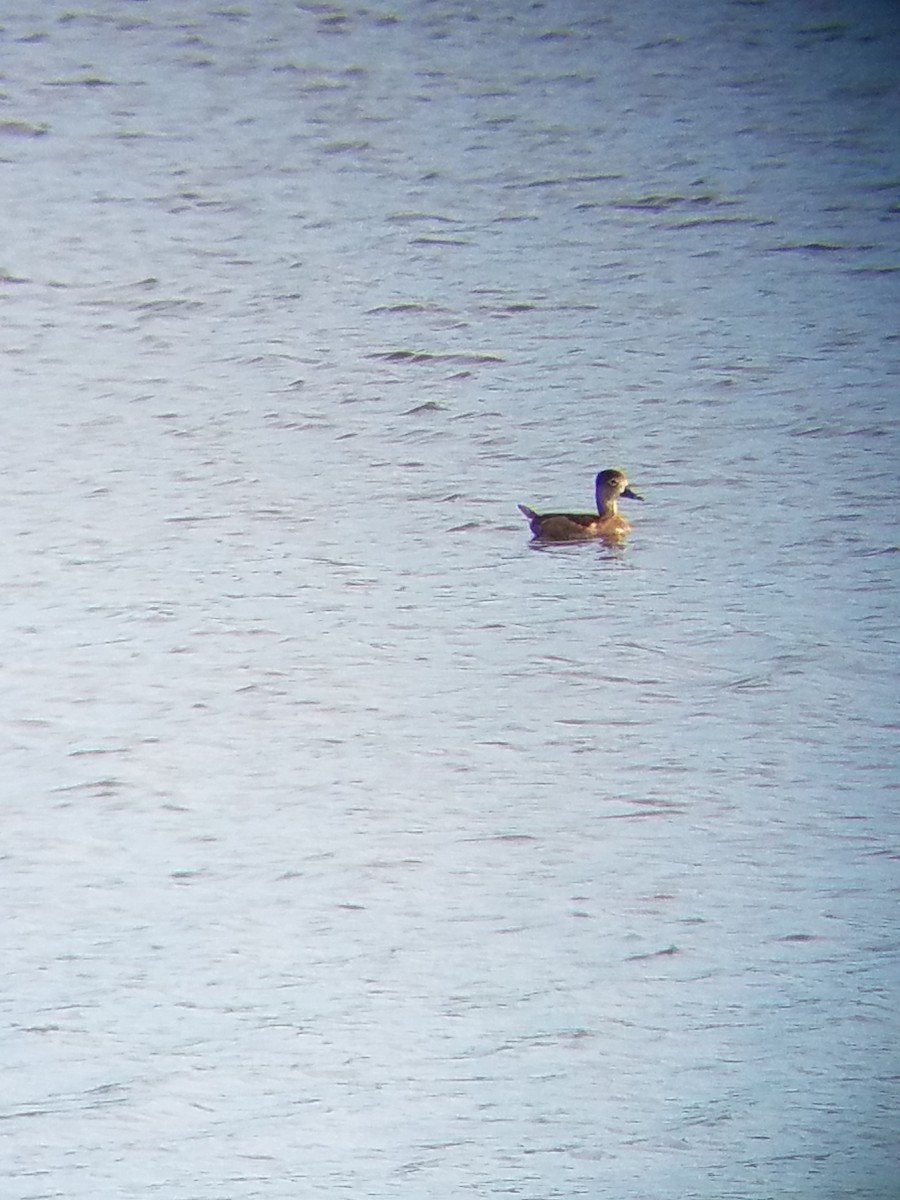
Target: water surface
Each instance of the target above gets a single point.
(355, 846)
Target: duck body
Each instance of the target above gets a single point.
(605, 524)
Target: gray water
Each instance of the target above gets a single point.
(354, 846)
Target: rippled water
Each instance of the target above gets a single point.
(354, 845)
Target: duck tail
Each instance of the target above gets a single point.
(527, 512)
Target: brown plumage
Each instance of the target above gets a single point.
(605, 524)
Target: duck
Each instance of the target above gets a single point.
(605, 524)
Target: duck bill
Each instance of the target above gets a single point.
(630, 495)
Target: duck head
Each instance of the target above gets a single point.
(611, 485)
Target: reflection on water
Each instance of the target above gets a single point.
(351, 840)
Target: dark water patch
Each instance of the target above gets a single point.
(157, 308)
(88, 81)
(104, 787)
(193, 519)
(520, 838)
(696, 222)
(429, 406)
(750, 683)
(874, 552)
(655, 202)
(334, 22)
(843, 431)
(184, 201)
(350, 146)
(439, 241)
(420, 357)
(555, 35)
(555, 181)
(404, 356)
(668, 952)
(479, 415)
(819, 248)
(513, 218)
(651, 808)
(412, 308)
(22, 129)
(413, 218)
(311, 422)
(671, 39)
(88, 18)
(94, 751)
(831, 31)
(862, 91)
(257, 360)
(502, 312)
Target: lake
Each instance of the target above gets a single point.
(356, 845)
